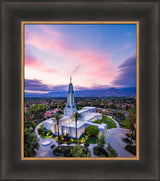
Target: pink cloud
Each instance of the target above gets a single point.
(36, 64)
(51, 32)
(94, 62)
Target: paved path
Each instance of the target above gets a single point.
(91, 146)
(114, 136)
(44, 150)
(117, 124)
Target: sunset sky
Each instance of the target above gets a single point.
(96, 56)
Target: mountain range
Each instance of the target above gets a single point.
(110, 92)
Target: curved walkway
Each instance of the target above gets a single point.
(117, 124)
(113, 136)
(44, 150)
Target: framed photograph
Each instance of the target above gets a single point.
(98, 117)
(79, 90)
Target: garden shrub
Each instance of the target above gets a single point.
(126, 140)
(92, 131)
(28, 124)
(66, 138)
(100, 151)
(111, 151)
(78, 142)
(78, 151)
(66, 151)
(41, 128)
(101, 141)
(49, 133)
(97, 122)
(131, 149)
(89, 154)
(56, 151)
(68, 143)
(69, 155)
(130, 136)
(61, 137)
(52, 146)
(86, 144)
(60, 141)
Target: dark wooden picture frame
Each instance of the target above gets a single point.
(12, 15)
(23, 23)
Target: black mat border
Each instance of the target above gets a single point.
(13, 167)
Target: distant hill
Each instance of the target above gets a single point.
(111, 92)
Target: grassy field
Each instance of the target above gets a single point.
(91, 140)
(121, 123)
(110, 123)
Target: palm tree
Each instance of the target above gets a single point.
(76, 116)
(57, 118)
(30, 142)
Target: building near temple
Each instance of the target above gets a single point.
(67, 124)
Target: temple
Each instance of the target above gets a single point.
(67, 124)
(70, 106)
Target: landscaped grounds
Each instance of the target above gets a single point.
(44, 133)
(106, 120)
(72, 151)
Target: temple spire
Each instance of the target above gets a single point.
(70, 108)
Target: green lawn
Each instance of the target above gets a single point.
(91, 140)
(46, 136)
(108, 119)
(110, 123)
(121, 123)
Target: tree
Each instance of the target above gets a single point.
(41, 130)
(101, 141)
(92, 131)
(30, 142)
(27, 115)
(28, 124)
(103, 118)
(132, 121)
(76, 117)
(37, 111)
(57, 118)
(77, 151)
(111, 151)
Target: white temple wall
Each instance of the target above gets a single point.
(50, 126)
(103, 131)
(65, 130)
(80, 131)
(98, 117)
(73, 132)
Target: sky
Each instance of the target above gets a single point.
(95, 56)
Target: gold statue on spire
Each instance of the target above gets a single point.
(70, 80)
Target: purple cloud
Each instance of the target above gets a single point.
(38, 85)
(127, 73)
